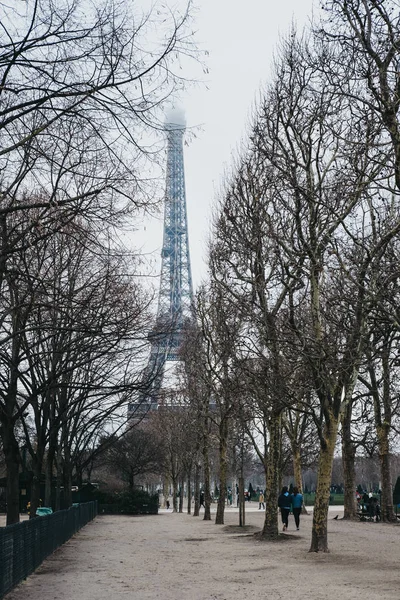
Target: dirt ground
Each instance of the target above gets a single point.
(179, 557)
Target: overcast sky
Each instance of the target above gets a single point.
(241, 38)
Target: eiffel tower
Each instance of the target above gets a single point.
(175, 299)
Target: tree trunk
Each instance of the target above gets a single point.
(35, 489)
(348, 456)
(319, 539)
(12, 460)
(196, 510)
(67, 486)
(387, 510)
(206, 461)
(223, 458)
(49, 477)
(58, 480)
(51, 453)
(181, 495)
(174, 495)
(298, 479)
(189, 493)
(272, 475)
(383, 424)
(165, 491)
(79, 476)
(241, 502)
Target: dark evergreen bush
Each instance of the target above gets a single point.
(138, 502)
(396, 492)
(128, 502)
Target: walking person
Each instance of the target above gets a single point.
(285, 504)
(261, 501)
(297, 503)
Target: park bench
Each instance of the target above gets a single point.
(364, 515)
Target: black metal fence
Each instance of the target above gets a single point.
(24, 546)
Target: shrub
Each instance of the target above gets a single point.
(128, 502)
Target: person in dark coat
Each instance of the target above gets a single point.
(285, 504)
(297, 503)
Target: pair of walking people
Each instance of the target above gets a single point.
(290, 502)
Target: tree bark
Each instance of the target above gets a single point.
(181, 487)
(165, 490)
(382, 431)
(51, 453)
(387, 509)
(49, 476)
(319, 539)
(196, 510)
(297, 472)
(206, 461)
(58, 480)
(174, 495)
(12, 460)
(189, 494)
(381, 395)
(67, 480)
(223, 457)
(35, 489)
(298, 480)
(241, 502)
(348, 456)
(272, 475)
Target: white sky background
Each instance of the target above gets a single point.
(241, 38)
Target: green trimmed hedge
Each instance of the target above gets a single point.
(335, 499)
(136, 502)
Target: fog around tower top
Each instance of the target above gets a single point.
(218, 103)
(175, 117)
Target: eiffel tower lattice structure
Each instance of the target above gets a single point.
(175, 299)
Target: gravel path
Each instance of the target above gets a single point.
(179, 557)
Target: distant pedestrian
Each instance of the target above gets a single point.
(167, 504)
(285, 504)
(297, 503)
(261, 501)
(202, 499)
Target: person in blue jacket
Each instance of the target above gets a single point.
(285, 504)
(297, 503)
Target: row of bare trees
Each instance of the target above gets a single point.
(299, 322)
(296, 350)
(81, 87)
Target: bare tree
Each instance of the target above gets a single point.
(198, 394)
(316, 194)
(256, 277)
(134, 454)
(327, 186)
(170, 427)
(219, 328)
(82, 72)
(378, 377)
(79, 87)
(78, 329)
(364, 40)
